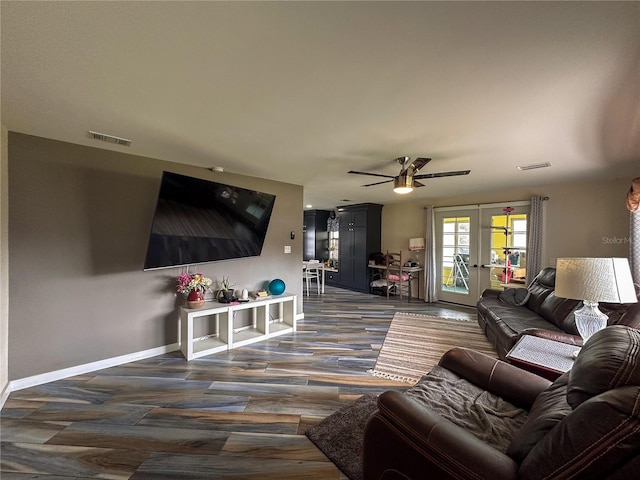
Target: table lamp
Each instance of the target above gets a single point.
(416, 245)
(594, 280)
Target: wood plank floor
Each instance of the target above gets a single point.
(236, 415)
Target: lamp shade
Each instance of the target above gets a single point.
(416, 244)
(595, 280)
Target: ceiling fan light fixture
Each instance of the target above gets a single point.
(403, 184)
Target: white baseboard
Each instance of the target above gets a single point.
(27, 382)
(43, 378)
(4, 395)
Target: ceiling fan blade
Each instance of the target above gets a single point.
(372, 174)
(418, 163)
(443, 174)
(378, 183)
(417, 184)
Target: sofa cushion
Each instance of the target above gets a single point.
(593, 441)
(541, 287)
(546, 278)
(610, 359)
(481, 413)
(548, 410)
(396, 278)
(515, 296)
(618, 314)
(559, 311)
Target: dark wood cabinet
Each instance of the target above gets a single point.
(360, 236)
(315, 237)
(331, 277)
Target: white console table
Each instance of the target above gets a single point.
(226, 334)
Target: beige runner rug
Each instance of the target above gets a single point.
(415, 343)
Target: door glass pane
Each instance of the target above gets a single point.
(508, 249)
(519, 233)
(455, 254)
(448, 239)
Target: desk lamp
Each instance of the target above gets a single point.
(594, 280)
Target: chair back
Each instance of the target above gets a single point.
(311, 268)
(311, 271)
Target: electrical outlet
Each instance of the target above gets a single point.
(287, 249)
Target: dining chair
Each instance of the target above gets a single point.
(311, 271)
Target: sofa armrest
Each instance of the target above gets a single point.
(503, 379)
(410, 439)
(562, 337)
(491, 292)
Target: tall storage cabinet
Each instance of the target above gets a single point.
(315, 235)
(360, 236)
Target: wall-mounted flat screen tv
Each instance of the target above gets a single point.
(198, 221)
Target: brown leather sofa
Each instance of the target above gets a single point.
(585, 425)
(544, 314)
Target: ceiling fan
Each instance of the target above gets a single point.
(405, 181)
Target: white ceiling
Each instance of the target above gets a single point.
(302, 92)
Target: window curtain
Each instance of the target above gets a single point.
(534, 247)
(430, 257)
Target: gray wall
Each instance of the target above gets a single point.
(78, 227)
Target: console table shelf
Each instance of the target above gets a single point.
(226, 334)
(206, 345)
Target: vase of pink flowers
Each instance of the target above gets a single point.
(193, 286)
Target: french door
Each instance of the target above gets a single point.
(457, 255)
(479, 247)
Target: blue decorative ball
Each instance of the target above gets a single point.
(276, 287)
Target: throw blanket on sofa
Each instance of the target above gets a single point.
(487, 416)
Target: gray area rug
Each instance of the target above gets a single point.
(340, 435)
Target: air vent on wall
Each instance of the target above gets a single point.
(103, 137)
(533, 166)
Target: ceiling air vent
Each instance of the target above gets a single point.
(103, 137)
(533, 166)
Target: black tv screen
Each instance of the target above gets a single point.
(199, 221)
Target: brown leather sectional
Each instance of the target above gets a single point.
(475, 417)
(544, 314)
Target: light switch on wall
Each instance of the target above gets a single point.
(287, 249)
